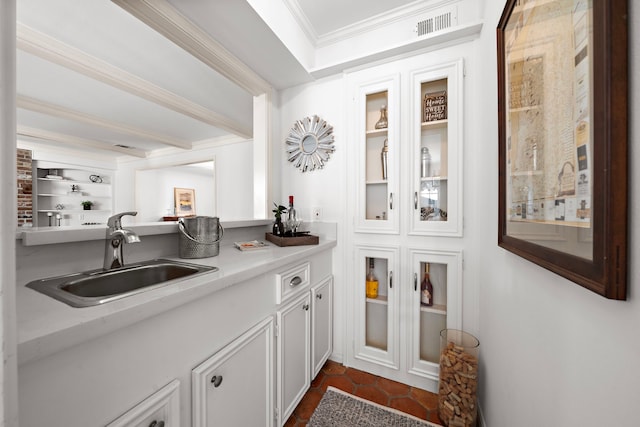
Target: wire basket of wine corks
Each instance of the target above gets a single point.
(457, 391)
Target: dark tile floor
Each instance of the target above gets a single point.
(402, 397)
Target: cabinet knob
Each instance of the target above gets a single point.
(216, 380)
(415, 281)
(319, 296)
(390, 201)
(391, 280)
(295, 281)
(305, 307)
(155, 423)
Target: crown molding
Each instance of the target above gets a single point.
(52, 50)
(170, 155)
(59, 111)
(417, 8)
(166, 20)
(303, 22)
(77, 141)
(198, 146)
(428, 43)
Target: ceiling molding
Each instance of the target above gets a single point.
(46, 135)
(428, 43)
(182, 156)
(303, 22)
(59, 111)
(376, 22)
(52, 50)
(166, 20)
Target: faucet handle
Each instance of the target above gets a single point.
(115, 220)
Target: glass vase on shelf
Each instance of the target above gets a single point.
(382, 121)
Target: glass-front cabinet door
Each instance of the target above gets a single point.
(376, 324)
(377, 107)
(434, 306)
(436, 153)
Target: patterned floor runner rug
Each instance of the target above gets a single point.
(340, 409)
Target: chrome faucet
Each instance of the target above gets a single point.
(116, 237)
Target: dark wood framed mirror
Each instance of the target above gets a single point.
(562, 108)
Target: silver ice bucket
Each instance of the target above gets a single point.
(199, 236)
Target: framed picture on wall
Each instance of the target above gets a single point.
(185, 201)
(562, 109)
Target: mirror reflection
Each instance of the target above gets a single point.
(154, 194)
(309, 144)
(183, 112)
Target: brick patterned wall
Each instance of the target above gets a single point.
(25, 187)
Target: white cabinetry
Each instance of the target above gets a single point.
(376, 327)
(426, 322)
(435, 129)
(304, 334)
(294, 353)
(235, 386)
(393, 335)
(321, 324)
(59, 190)
(161, 409)
(377, 177)
(220, 344)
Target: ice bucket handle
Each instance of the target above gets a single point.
(188, 236)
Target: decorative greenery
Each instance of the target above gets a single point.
(87, 203)
(278, 211)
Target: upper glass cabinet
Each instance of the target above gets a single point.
(436, 154)
(377, 107)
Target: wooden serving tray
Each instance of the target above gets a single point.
(292, 241)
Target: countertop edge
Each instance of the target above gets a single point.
(51, 235)
(119, 314)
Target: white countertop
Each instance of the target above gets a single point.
(46, 325)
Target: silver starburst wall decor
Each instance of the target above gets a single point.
(310, 143)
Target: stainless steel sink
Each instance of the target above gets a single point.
(99, 286)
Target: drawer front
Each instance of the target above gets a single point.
(291, 282)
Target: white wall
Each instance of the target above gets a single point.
(8, 370)
(323, 188)
(552, 352)
(550, 349)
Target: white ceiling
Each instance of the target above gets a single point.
(90, 74)
(328, 16)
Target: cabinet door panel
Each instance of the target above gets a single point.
(376, 323)
(294, 358)
(377, 155)
(436, 152)
(444, 269)
(243, 368)
(162, 406)
(321, 324)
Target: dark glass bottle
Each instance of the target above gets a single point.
(426, 288)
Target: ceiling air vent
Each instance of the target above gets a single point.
(437, 22)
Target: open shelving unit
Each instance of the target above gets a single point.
(57, 201)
